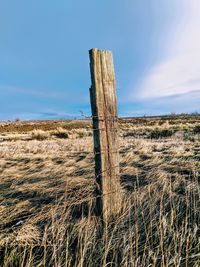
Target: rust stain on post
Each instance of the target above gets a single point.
(105, 125)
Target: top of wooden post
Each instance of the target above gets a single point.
(95, 51)
(103, 58)
(101, 50)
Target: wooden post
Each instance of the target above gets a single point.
(105, 127)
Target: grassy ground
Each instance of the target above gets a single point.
(47, 195)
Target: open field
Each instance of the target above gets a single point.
(47, 195)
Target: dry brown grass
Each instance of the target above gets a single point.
(47, 196)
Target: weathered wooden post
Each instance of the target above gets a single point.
(105, 127)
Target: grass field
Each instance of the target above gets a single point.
(47, 195)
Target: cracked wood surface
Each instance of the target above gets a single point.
(105, 125)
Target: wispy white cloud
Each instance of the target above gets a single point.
(68, 95)
(20, 90)
(179, 70)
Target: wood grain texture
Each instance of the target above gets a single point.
(105, 125)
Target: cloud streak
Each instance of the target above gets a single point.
(68, 95)
(179, 70)
(39, 116)
(27, 91)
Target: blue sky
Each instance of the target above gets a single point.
(44, 66)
